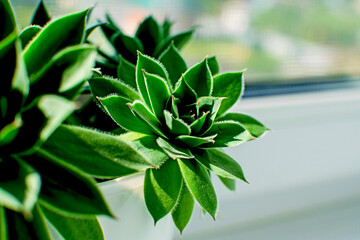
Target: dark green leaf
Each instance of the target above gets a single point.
(149, 34)
(162, 188)
(41, 15)
(147, 147)
(174, 151)
(145, 113)
(199, 78)
(89, 30)
(198, 124)
(7, 19)
(255, 127)
(199, 183)
(211, 105)
(183, 209)
(127, 46)
(20, 228)
(57, 35)
(194, 141)
(158, 92)
(179, 41)
(74, 227)
(184, 92)
(28, 34)
(111, 22)
(213, 66)
(126, 72)
(149, 65)
(66, 188)
(176, 126)
(166, 26)
(229, 183)
(3, 224)
(220, 163)
(229, 85)
(104, 86)
(119, 110)
(109, 30)
(230, 134)
(19, 186)
(97, 154)
(9, 132)
(174, 63)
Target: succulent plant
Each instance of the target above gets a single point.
(43, 70)
(177, 119)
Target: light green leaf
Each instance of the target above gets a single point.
(127, 46)
(174, 151)
(147, 147)
(194, 141)
(229, 183)
(213, 66)
(41, 15)
(198, 124)
(3, 225)
(9, 132)
(98, 154)
(176, 126)
(162, 188)
(255, 127)
(179, 40)
(126, 72)
(66, 188)
(230, 134)
(182, 212)
(149, 34)
(211, 105)
(229, 85)
(19, 186)
(8, 19)
(199, 183)
(174, 63)
(159, 93)
(89, 30)
(119, 110)
(220, 163)
(20, 228)
(144, 112)
(199, 78)
(28, 34)
(149, 65)
(74, 227)
(55, 36)
(104, 86)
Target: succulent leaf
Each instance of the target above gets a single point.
(176, 125)
(161, 192)
(166, 26)
(179, 41)
(229, 85)
(182, 212)
(126, 72)
(28, 34)
(199, 78)
(149, 34)
(174, 151)
(214, 66)
(127, 46)
(7, 16)
(184, 92)
(199, 183)
(41, 15)
(228, 183)
(193, 141)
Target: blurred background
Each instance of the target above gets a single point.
(303, 66)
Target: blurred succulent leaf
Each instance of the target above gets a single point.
(161, 191)
(149, 34)
(182, 212)
(19, 186)
(229, 85)
(73, 227)
(149, 65)
(127, 46)
(117, 107)
(146, 146)
(7, 16)
(89, 151)
(55, 36)
(228, 183)
(176, 125)
(158, 92)
(214, 67)
(104, 86)
(199, 183)
(66, 188)
(199, 78)
(9, 132)
(174, 151)
(20, 228)
(179, 41)
(28, 34)
(166, 26)
(126, 72)
(255, 127)
(220, 163)
(108, 30)
(41, 15)
(230, 133)
(174, 63)
(90, 30)
(3, 224)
